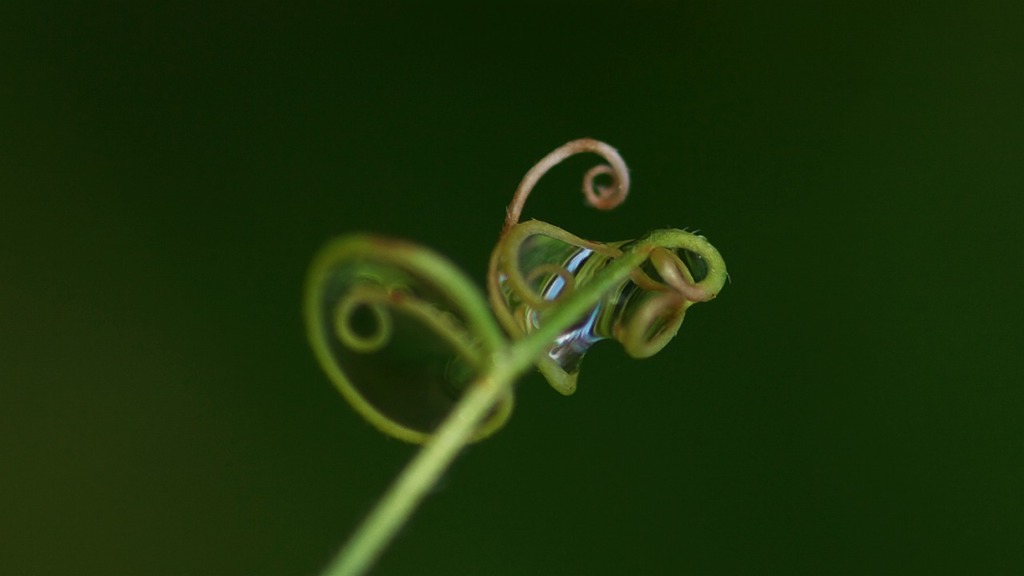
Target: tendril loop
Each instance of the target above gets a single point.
(600, 197)
(401, 333)
(353, 336)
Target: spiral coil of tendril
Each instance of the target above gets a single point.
(536, 266)
(399, 331)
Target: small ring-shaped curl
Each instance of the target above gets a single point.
(351, 337)
(600, 197)
(604, 197)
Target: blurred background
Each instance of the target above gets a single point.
(852, 402)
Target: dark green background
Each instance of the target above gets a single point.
(852, 403)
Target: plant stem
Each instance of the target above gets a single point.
(420, 475)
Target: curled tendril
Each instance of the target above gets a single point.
(401, 333)
(600, 197)
(656, 320)
(677, 275)
(536, 267)
(344, 322)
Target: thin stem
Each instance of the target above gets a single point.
(401, 499)
(394, 509)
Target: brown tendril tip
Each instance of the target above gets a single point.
(600, 197)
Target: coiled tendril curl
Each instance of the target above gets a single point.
(600, 197)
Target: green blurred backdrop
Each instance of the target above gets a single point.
(851, 404)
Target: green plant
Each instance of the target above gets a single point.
(411, 344)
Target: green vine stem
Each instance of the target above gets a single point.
(642, 287)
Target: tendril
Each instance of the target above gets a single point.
(600, 197)
(676, 275)
(343, 321)
(401, 333)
